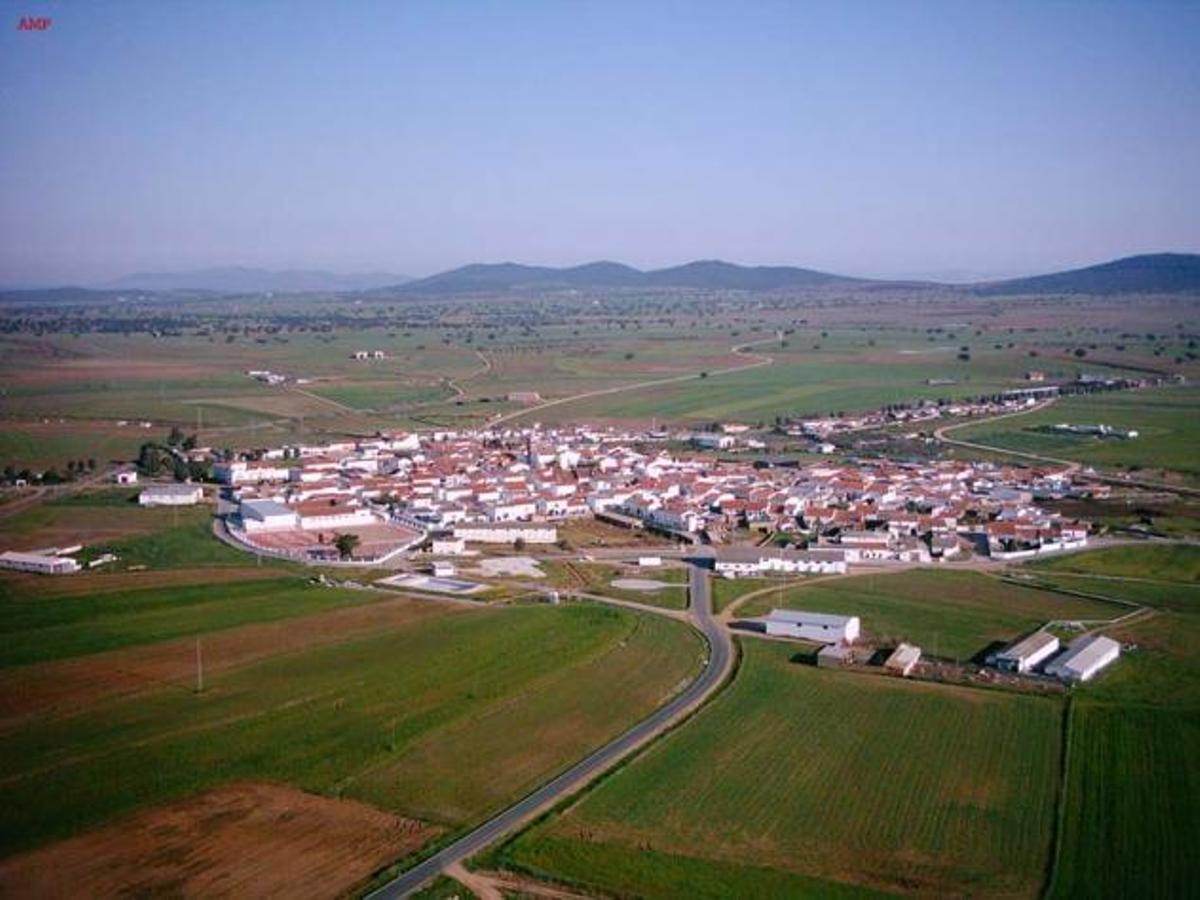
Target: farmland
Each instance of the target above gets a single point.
(1168, 431)
(795, 774)
(36, 629)
(950, 614)
(72, 394)
(1132, 786)
(444, 718)
(1130, 811)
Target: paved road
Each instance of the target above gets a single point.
(720, 660)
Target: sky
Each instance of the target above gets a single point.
(952, 140)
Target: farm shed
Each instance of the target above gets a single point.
(812, 626)
(1027, 652)
(903, 659)
(832, 656)
(1084, 658)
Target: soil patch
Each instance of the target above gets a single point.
(241, 840)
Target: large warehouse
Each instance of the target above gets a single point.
(1084, 658)
(813, 626)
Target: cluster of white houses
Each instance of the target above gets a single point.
(444, 482)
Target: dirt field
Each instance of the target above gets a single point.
(69, 685)
(241, 840)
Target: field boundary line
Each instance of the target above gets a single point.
(1060, 801)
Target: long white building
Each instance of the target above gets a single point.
(42, 564)
(171, 495)
(736, 562)
(813, 626)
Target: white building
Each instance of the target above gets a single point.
(738, 562)
(812, 626)
(171, 495)
(506, 534)
(442, 569)
(40, 563)
(242, 472)
(267, 515)
(448, 546)
(1026, 653)
(1084, 658)
(903, 659)
(125, 476)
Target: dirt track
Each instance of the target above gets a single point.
(240, 840)
(65, 686)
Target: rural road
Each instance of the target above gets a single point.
(717, 667)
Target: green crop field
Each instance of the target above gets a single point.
(952, 614)
(1155, 562)
(36, 628)
(448, 718)
(1133, 784)
(796, 773)
(1165, 419)
(1129, 824)
(726, 591)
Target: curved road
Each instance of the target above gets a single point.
(720, 660)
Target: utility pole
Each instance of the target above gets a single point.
(199, 669)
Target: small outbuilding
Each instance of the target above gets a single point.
(903, 660)
(832, 656)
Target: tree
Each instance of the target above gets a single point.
(519, 544)
(346, 544)
(175, 438)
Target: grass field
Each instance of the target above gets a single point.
(448, 717)
(36, 628)
(796, 773)
(1133, 782)
(1165, 419)
(597, 578)
(1178, 563)
(726, 591)
(947, 613)
(1132, 789)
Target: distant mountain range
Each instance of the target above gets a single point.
(1160, 273)
(1154, 273)
(707, 274)
(237, 280)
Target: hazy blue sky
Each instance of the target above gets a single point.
(890, 138)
